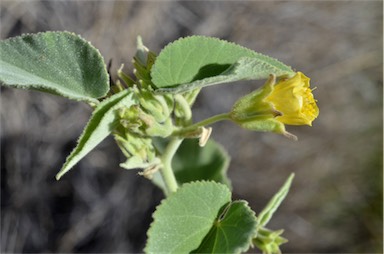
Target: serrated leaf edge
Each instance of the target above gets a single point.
(253, 233)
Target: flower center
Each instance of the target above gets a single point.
(308, 103)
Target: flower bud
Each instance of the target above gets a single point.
(269, 241)
(138, 150)
(159, 106)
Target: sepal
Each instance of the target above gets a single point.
(138, 150)
(252, 112)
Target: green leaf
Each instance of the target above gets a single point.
(98, 128)
(210, 162)
(266, 214)
(207, 163)
(232, 232)
(199, 61)
(183, 219)
(244, 69)
(61, 63)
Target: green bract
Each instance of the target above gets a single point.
(266, 214)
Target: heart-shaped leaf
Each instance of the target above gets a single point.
(183, 219)
(232, 231)
(61, 63)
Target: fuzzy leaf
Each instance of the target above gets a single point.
(199, 61)
(61, 63)
(207, 163)
(232, 232)
(98, 128)
(183, 219)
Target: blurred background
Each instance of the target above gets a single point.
(335, 204)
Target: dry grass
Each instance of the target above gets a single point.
(336, 201)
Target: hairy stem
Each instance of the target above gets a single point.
(211, 120)
(205, 122)
(166, 169)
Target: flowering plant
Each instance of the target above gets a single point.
(149, 115)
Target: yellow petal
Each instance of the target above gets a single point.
(293, 98)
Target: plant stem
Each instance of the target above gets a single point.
(211, 120)
(205, 122)
(166, 159)
(166, 170)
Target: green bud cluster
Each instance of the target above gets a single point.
(268, 241)
(138, 150)
(154, 115)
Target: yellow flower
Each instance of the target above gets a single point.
(289, 101)
(294, 100)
